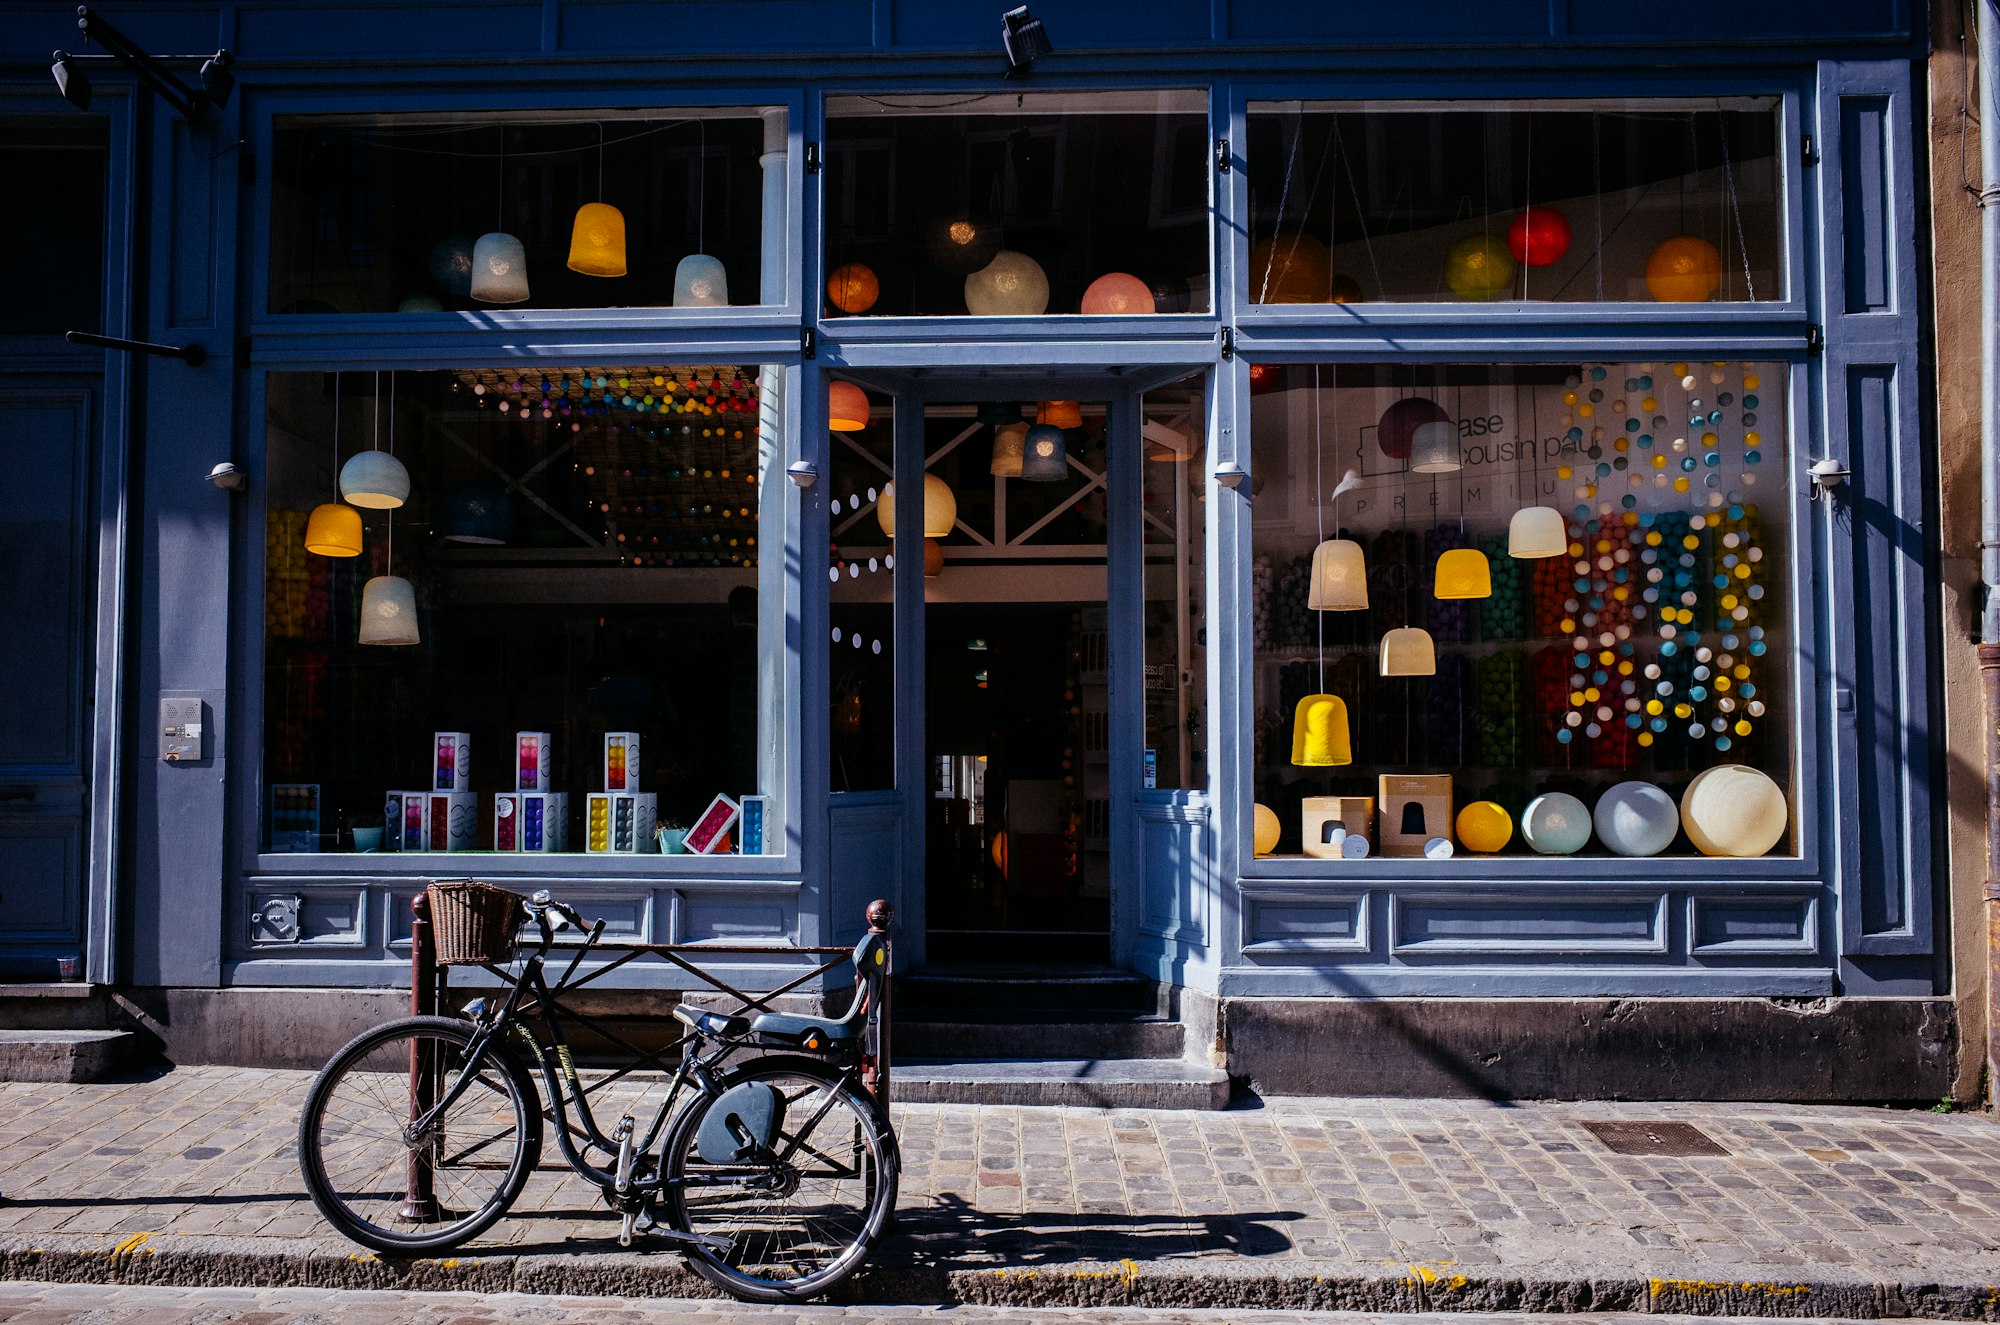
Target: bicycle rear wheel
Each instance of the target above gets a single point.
(801, 1218)
(396, 1194)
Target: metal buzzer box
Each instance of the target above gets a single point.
(620, 822)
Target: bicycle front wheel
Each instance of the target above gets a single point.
(395, 1191)
(791, 1223)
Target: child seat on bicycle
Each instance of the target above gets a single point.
(814, 1034)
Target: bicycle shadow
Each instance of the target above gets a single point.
(947, 1233)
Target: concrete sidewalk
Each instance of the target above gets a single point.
(1386, 1205)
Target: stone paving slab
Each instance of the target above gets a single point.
(189, 1177)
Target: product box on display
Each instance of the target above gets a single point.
(710, 831)
(1325, 822)
(544, 821)
(1414, 808)
(750, 825)
(453, 821)
(295, 816)
(620, 822)
(406, 821)
(451, 761)
(621, 761)
(533, 760)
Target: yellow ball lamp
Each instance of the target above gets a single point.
(853, 288)
(1264, 835)
(1485, 828)
(1479, 267)
(1012, 285)
(1684, 270)
(1339, 577)
(940, 508)
(1408, 651)
(597, 242)
(334, 530)
(1319, 733)
(1291, 269)
(1734, 810)
(1463, 572)
(846, 407)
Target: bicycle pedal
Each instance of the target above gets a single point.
(626, 1227)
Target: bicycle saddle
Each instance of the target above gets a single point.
(711, 1023)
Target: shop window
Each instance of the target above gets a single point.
(381, 214)
(566, 603)
(53, 268)
(1018, 204)
(1521, 610)
(1603, 201)
(1173, 483)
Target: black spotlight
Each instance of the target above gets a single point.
(216, 80)
(71, 81)
(1025, 39)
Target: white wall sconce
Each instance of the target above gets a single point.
(227, 476)
(802, 473)
(1827, 475)
(1230, 474)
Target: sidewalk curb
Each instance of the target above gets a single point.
(183, 1260)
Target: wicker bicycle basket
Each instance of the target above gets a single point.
(473, 922)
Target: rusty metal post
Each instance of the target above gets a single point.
(419, 1193)
(880, 913)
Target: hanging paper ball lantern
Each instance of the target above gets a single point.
(374, 479)
(1396, 430)
(388, 611)
(1319, 733)
(940, 508)
(478, 513)
(700, 282)
(1479, 267)
(853, 288)
(499, 270)
(1538, 236)
(1339, 580)
(1012, 285)
(1118, 295)
(961, 245)
(1265, 831)
(451, 265)
(334, 530)
(1684, 270)
(597, 241)
(1734, 810)
(1636, 819)
(1291, 269)
(1266, 377)
(1485, 827)
(1347, 290)
(1556, 824)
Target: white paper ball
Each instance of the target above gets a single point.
(1556, 824)
(1734, 810)
(1012, 285)
(1636, 819)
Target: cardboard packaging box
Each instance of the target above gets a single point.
(544, 821)
(620, 822)
(1323, 820)
(533, 760)
(295, 816)
(451, 761)
(621, 761)
(406, 821)
(507, 821)
(453, 821)
(750, 837)
(1414, 809)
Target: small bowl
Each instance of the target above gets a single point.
(368, 839)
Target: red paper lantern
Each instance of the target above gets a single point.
(1265, 377)
(1400, 422)
(1538, 236)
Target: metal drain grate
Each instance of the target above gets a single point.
(1654, 1139)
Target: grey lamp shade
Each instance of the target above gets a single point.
(388, 611)
(499, 269)
(374, 479)
(700, 282)
(1434, 448)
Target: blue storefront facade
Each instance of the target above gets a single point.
(1259, 287)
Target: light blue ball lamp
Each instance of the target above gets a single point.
(1636, 819)
(1556, 824)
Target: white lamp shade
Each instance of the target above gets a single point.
(940, 508)
(1010, 443)
(388, 611)
(1636, 819)
(700, 282)
(1734, 810)
(499, 269)
(1012, 285)
(1339, 577)
(1408, 651)
(1537, 531)
(1434, 448)
(374, 479)
(1556, 824)
(1046, 458)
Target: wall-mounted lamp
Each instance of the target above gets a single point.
(1230, 474)
(227, 476)
(1025, 39)
(1827, 475)
(216, 82)
(802, 473)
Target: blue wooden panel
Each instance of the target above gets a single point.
(1732, 926)
(275, 31)
(707, 916)
(44, 555)
(1453, 21)
(199, 201)
(1176, 874)
(1288, 925)
(1867, 247)
(332, 916)
(1507, 924)
(866, 853)
(1725, 20)
(1071, 24)
(41, 864)
(683, 27)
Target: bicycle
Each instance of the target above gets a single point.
(774, 1179)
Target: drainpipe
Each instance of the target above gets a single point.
(1989, 493)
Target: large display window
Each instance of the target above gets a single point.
(1537, 609)
(519, 610)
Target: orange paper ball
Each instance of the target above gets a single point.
(1685, 270)
(852, 288)
(1118, 294)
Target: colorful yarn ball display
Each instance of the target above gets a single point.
(1478, 268)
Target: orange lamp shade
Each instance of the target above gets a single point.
(1059, 414)
(1291, 269)
(853, 288)
(846, 407)
(1684, 270)
(1118, 294)
(1408, 651)
(1319, 733)
(1463, 572)
(597, 242)
(334, 530)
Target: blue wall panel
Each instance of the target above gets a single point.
(395, 31)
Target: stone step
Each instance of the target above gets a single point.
(67, 1056)
(948, 1035)
(1102, 1083)
(71, 1006)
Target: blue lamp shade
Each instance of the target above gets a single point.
(1044, 456)
(388, 611)
(700, 282)
(451, 265)
(1636, 819)
(499, 270)
(1556, 824)
(477, 513)
(374, 479)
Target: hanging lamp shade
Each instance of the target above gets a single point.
(334, 530)
(1118, 294)
(1463, 572)
(940, 508)
(1047, 457)
(374, 479)
(1408, 651)
(1396, 430)
(1012, 285)
(962, 244)
(700, 282)
(451, 265)
(1010, 443)
(933, 558)
(477, 513)
(597, 242)
(1434, 448)
(499, 269)
(1319, 733)
(1059, 414)
(846, 407)
(1339, 577)
(1537, 531)
(853, 287)
(388, 611)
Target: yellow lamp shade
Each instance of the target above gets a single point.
(846, 407)
(853, 288)
(940, 508)
(1010, 443)
(1479, 267)
(334, 530)
(1684, 270)
(1485, 827)
(1339, 577)
(1734, 810)
(1264, 832)
(388, 611)
(1118, 294)
(1059, 414)
(1408, 651)
(1012, 285)
(1291, 269)
(597, 241)
(1463, 572)
(1537, 531)
(1319, 733)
